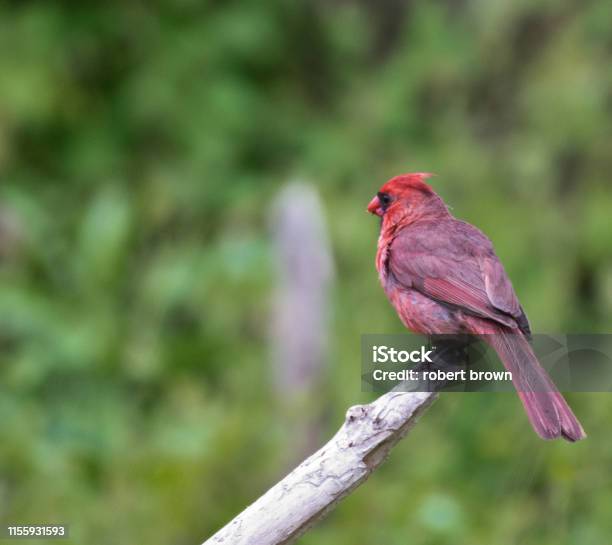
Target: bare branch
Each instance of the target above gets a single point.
(311, 490)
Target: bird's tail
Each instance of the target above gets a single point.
(546, 408)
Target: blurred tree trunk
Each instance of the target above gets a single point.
(299, 333)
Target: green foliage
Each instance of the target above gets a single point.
(140, 147)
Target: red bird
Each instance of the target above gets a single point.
(442, 276)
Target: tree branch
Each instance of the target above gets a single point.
(313, 489)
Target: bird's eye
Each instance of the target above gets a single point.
(385, 200)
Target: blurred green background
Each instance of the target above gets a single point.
(141, 147)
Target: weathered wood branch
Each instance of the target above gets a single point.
(313, 489)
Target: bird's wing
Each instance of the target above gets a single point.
(454, 263)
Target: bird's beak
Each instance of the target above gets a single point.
(374, 206)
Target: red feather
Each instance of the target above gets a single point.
(442, 276)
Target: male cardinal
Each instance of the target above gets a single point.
(442, 276)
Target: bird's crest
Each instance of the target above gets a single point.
(414, 180)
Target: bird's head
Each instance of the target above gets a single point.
(406, 198)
